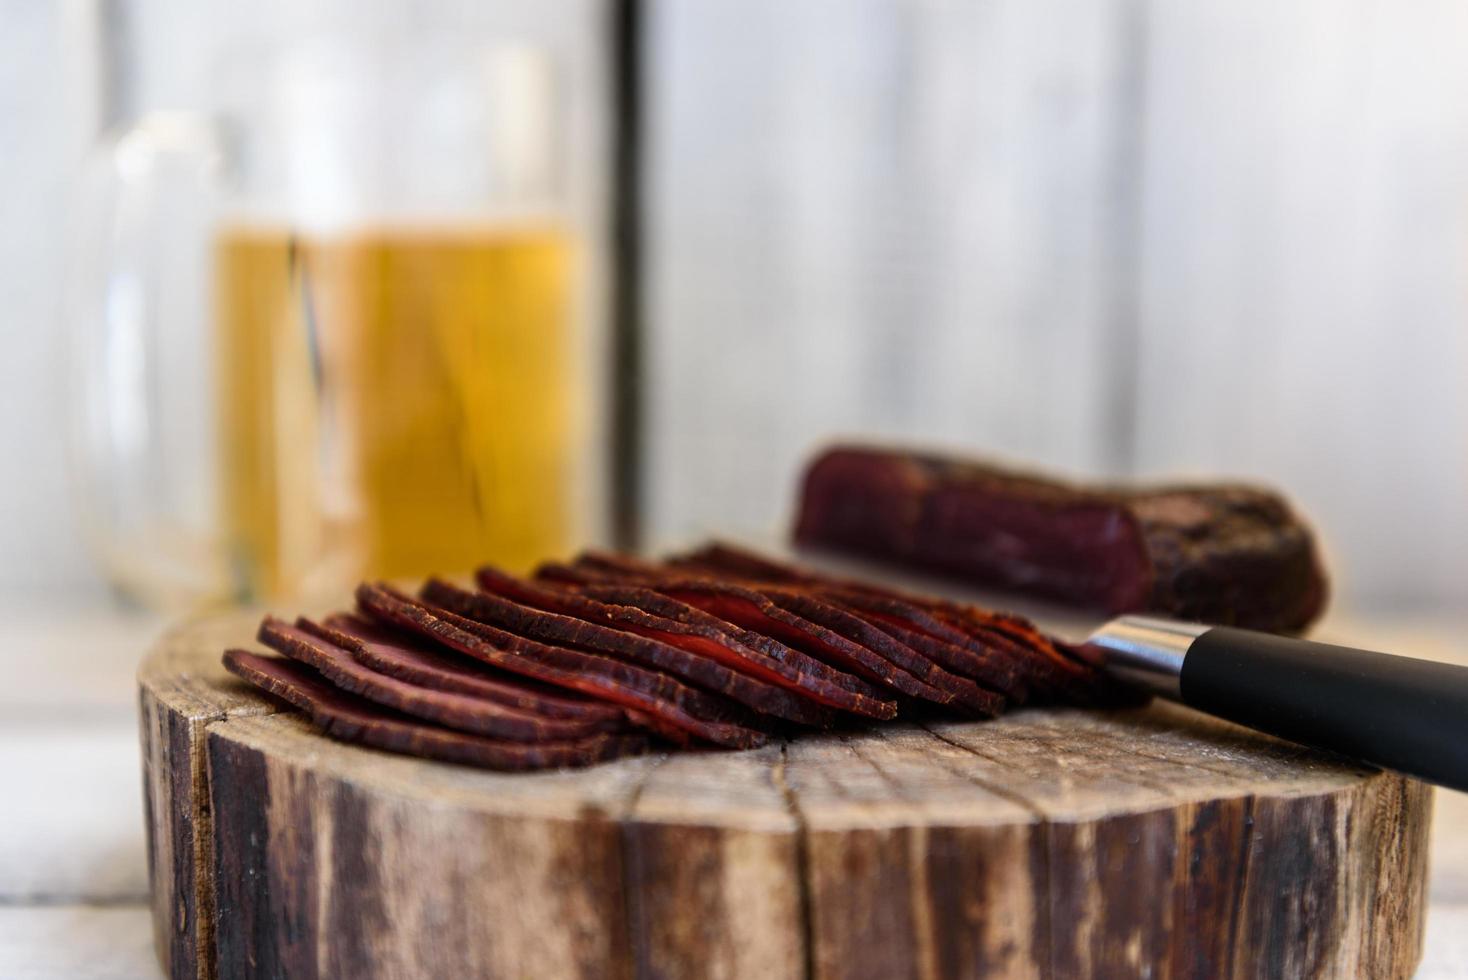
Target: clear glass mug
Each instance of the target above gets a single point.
(329, 330)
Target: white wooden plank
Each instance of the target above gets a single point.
(884, 218)
(1445, 947)
(73, 812)
(1304, 270)
(77, 943)
(40, 546)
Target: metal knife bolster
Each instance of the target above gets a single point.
(1147, 651)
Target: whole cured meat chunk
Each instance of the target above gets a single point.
(1224, 553)
(352, 719)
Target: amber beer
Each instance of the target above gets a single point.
(393, 402)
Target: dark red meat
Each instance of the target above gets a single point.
(398, 654)
(1224, 553)
(584, 634)
(674, 707)
(352, 719)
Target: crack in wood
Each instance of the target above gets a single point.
(1246, 851)
(631, 862)
(1034, 808)
(891, 781)
(806, 887)
(1114, 744)
(1278, 750)
(204, 897)
(1043, 952)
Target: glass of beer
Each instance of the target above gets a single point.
(331, 330)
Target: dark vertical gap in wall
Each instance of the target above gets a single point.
(626, 311)
(1124, 334)
(115, 40)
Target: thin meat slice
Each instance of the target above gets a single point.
(815, 609)
(650, 614)
(616, 565)
(404, 658)
(887, 646)
(956, 623)
(461, 711)
(612, 588)
(987, 668)
(805, 608)
(720, 560)
(872, 702)
(1032, 656)
(552, 627)
(1000, 665)
(993, 655)
(753, 611)
(673, 707)
(353, 719)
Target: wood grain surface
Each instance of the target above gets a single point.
(1049, 843)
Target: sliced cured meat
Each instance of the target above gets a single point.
(887, 646)
(452, 710)
(641, 596)
(552, 627)
(650, 614)
(754, 612)
(720, 630)
(721, 560)
(990, 669)
(616, 565)
(671, 705)
(353, 719)
(1220, 553)
(804, 605)
(400, 656)
(965, 626)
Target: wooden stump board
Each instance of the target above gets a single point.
(1048, 843)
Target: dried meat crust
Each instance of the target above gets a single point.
(834, 687)
(404, 657)
(751, 610)
(581, 633)
(452, 710)
(349, 718)
(803, 618)
(654, 614)
(666, 702)
(1220, 553)
(999, 640)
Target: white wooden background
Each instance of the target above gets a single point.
(1110, 236)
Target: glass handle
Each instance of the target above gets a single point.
(142, 437)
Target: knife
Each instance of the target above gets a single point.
(1395, 712)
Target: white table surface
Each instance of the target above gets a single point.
(73, 880)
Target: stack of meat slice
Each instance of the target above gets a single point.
(609, 655)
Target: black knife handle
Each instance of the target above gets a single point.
(1397, 712)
